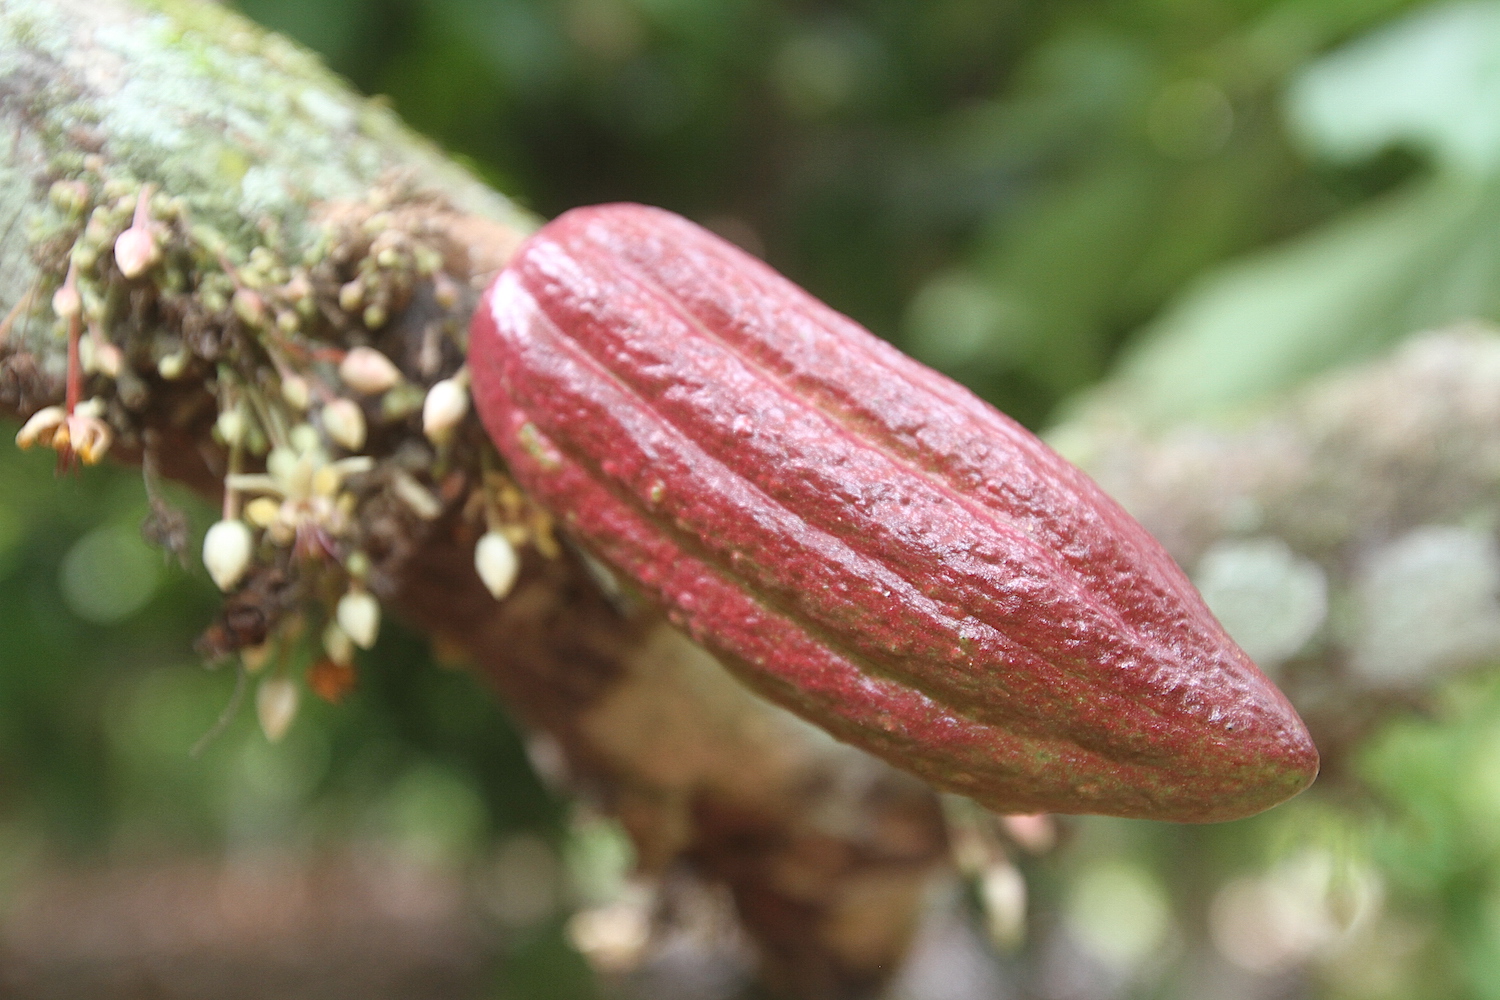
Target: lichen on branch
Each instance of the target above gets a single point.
(223, 223)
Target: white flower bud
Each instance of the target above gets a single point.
(367, 371)
(1002, 889)
(446, 404)
(1037, 833)
(358, 565)
(295, 390)
(276, 706)
(226, 552)
(496, 561)
(231, 426)
(358, 615)
(249, 307)
(338, 645)
(135, 251)
(172, 366)
(303, 438)
(345, 423)
(66, 301)
(281, 464)
(107, 359)
(352, 296)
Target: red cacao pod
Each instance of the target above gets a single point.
(862, 540)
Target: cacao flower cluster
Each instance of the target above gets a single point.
(862, 540)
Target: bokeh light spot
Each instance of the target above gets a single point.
(109, 575)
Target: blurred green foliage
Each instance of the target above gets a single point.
(1422, 254)
(1006, 188)
(1024, 194)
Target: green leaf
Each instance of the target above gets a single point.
(1424, 256)
(1431, 80)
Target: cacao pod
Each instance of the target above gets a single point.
(862, 540)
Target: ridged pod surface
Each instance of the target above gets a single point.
(861, 539)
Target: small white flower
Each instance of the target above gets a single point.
(496, 562)
(367, 371)
(358, 615)
(226, 552)
(345, 423)
(135, 251)
(232, 426)
(276, 706)
(88, 435)
(41, 428)
(66, 301)
(83, 433)
(338, 645)
(296, 392)
(99, 355)
(303, 438)
(135, 248)
(446, 404)
(298, 494)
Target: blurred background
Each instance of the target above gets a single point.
(1206, 201)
